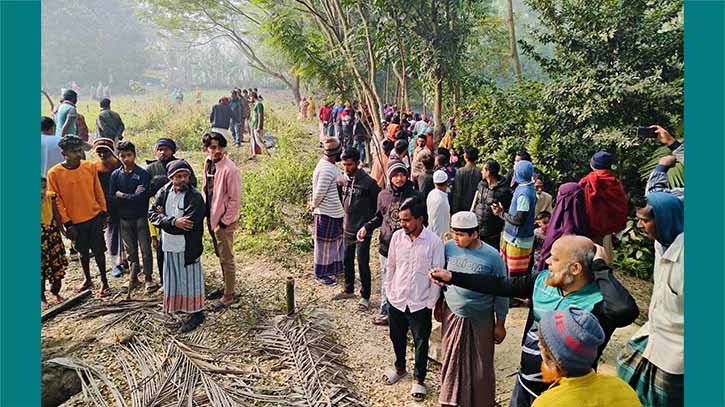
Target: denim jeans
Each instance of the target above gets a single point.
(360, 146)
(237, 132)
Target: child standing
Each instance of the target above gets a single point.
(53, 261)
(542, 222)
(129, 184)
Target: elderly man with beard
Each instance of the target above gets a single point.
(178, 210)
(577, 276)
(164, 149)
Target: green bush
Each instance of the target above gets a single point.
(634, 255)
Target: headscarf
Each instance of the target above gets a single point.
(567, 219)
(523, 172)
(669, 214)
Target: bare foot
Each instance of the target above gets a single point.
(43, 305)
(58, 298)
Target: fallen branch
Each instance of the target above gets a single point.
(67, 304)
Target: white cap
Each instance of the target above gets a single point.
(440, 177)
(464, 220)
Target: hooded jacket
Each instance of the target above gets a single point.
(386, 217)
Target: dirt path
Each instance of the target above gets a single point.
(261, 280)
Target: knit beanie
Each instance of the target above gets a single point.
(602, 160)
(332, 146)
(395, 165)
(177, 166)
(573, 336)
(101, 143)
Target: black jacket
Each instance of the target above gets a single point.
(388, 206)
(221, 116)
(160, 176)
(425, 183)
(490, 225)
(359, 199)
(616, 309)
(193, 207)
(464, 188)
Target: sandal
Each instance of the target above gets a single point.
(381, 320)
(151, 287)
(215, 294)
(82, 288)
(218, 305)
(391, 376)
(343, 295)
(418, 391)
(104, 292)
(363, 305)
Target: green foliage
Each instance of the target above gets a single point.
(634, 254)
(616, 65)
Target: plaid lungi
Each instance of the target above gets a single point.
(653, 386)
(329, 246)
(517, 259)
(183, 284)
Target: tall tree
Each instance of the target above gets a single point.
(512, 39)
(202, 21)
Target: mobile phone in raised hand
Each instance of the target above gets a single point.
(646, 132)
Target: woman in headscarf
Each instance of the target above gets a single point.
(518, 233)
(567, 219)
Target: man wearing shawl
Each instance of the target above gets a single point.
(567, 219)
(178, 210)
(469, 330)
(518, 233)
(605, 202)
(653, 362)
(328, 214)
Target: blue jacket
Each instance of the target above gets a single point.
(132, 205)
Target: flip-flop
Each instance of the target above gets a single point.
(217, 306)
(215, 294)
(418, 391)
(391, 376)
(363, 305)
(151, 286)
(104, 292)
(82, 288)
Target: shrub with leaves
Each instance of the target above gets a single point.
(635, 253)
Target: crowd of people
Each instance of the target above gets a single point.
(461, 244)
(457, 243)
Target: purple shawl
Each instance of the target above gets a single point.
(567, 219)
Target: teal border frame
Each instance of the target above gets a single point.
(19, 210)
(704, 220)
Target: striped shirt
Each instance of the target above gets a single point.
(325, 196)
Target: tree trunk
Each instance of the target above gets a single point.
(437, 109)
(295, 88)
(512, 40)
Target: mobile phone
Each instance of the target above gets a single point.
(646, 132)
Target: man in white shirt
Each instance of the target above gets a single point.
(439, 209)
(414, 251)
(50, 153)
(653, 362)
